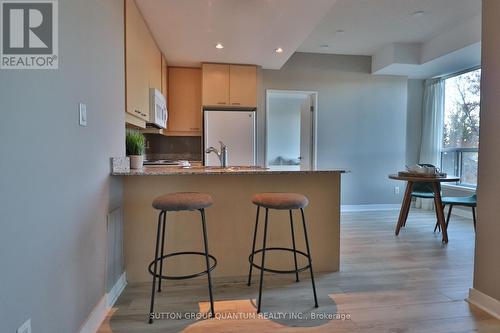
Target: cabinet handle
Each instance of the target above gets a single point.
(143, 114)
(224, 103)
(137, 111)
(236, 103)
(194, 128)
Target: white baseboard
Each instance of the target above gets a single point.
(368, 208)
(100, 311)
(457, 210)
(96, 317)
(484, 302)
(117, 290)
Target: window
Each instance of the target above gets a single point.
(461, 127)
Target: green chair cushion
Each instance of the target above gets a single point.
(425, 195)
(461, 201)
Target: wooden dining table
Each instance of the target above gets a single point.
(405, 205)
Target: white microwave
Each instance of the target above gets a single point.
(158, 114)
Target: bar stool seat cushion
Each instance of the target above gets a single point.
(182, 201)
(277, 200)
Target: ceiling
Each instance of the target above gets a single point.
(414, 38)
(369, 25)
(250, 30)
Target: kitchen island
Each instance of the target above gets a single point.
(231, 220)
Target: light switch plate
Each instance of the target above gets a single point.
(25, 328)
(82, 111)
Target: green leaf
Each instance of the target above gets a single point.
(134, 143)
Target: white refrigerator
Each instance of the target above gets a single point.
(236, 129)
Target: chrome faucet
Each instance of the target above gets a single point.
(222, 154)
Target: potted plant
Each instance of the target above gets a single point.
(135, 143)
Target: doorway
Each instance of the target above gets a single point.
(291, 129)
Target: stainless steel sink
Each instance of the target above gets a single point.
(231, 168)
(246, 167)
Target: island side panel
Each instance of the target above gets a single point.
(230, 222)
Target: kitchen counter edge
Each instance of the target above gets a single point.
(169, 171)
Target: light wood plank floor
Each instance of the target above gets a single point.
(410, 283)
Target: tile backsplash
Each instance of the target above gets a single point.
(173, 147)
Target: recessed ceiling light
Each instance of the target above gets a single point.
(279, 50)
(418, 13)
(219, 46)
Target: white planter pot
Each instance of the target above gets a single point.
(136, 161)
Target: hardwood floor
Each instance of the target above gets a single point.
(410, 283)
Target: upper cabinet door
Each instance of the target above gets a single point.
(164, 76)
(215, 84)
(184, 101)
(153, 62)
(243, 85)
(132, 58)
(137, 71)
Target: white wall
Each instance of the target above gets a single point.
(414, 120)
(283, 121)
(55, 188)
(487, 265)
(361, 120)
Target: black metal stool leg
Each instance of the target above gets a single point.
(253, 245)
(162, 250)
(151, 309)
(205, 241)
(309, 257)
(293, 243)
(262, 263)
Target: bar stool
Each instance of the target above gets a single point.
(180, 201)
(280, 201)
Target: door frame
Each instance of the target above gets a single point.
(314, 121)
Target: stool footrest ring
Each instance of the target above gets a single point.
(182, 277)
(278, 271)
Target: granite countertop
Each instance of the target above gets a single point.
(201, 170)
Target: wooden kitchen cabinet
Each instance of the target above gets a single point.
(153, 63)
(215, 86)
(164, 76)
(184, 102)
(229, 85)
(143, 63)
(137, 81)
(243, 85)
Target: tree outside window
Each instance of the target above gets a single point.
(461, 126)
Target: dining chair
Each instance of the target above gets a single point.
(423, 190)
(470, 201)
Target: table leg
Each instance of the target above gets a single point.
(405, 207)
(406, 213)
(439, 211)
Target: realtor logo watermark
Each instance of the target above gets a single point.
(29, 34)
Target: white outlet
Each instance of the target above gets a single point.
(396, 189)
(82, 112)
(25, 328)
